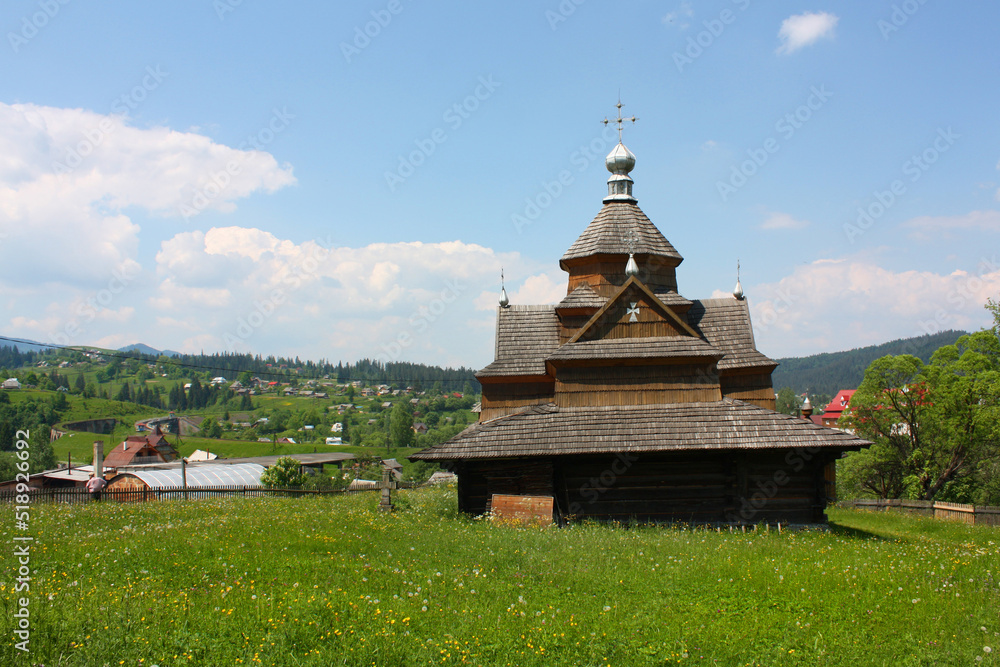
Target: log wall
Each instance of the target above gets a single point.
(607, 274)
(504, 398)
(635, 385)
(747, 487)
(478, 481)
(753, 388)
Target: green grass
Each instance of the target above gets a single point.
(330, 580)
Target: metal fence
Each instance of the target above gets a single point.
(81, 495)
(979, 515)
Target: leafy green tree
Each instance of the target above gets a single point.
(375, 439)
(345, 423)
(286, 473)
(401, 425)
(59, 401)
(210, 428)
(42, 456)
(124, 394)
(787, 402)
(421, 471)
(80, 384)
(933, 426)
(7, 468)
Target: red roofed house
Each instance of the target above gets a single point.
(136, 450)
(139, 449)
(837, 406)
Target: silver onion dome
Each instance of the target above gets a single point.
(620, 160)
(631, 269)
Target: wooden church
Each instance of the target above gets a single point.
(627, 400)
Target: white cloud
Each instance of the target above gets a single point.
(928, 227)
(680, 16)
(783, 221)
(840, 304)
(804, 29)
(389, 300)
(72, 177)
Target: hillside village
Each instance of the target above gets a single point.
(158, 412)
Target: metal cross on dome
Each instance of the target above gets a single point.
(630, 239)
(633, 311)
(620, 121)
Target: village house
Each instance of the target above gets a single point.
(136, 450)
(628, 400)
(837, 407)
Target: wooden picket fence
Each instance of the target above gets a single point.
(81, 495)
(978, 515)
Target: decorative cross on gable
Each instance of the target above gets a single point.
(632, 311)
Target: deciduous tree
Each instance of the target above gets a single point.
(933, 426)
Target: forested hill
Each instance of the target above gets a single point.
(828, 373)
(399, 373)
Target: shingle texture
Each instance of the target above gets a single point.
(635, 348)
(583, 296)
(526, 335)
(725, 323)
(547, 430)
(672, 298)
(606, 234)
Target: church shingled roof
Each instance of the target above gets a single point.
(725, 323)
(548, 430)
(526, 335)
(605, 234)
(583, 296)
(672, 298)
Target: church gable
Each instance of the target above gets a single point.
(634, 312)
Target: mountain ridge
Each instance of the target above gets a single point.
(829, 372)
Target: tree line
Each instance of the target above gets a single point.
(826, 374)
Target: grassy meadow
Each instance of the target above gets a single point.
(332, 581)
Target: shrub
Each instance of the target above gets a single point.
(286, 473)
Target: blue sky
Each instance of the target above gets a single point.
(345, 180)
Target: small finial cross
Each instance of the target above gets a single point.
(620, 121)
(630, 239)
